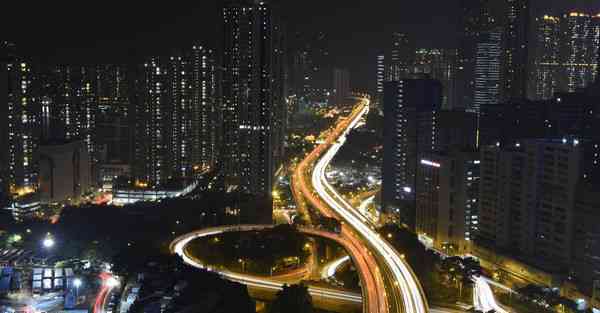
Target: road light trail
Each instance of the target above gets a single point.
(409, 290)
(483, 297)
(330, 269)
(179, 244)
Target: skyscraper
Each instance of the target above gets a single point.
(547, 58)
(153, 124)
(205, 115)
(341, 85)
(477, 16)
(516, 49)
(380, 77)
(23, 124)
(250, 49)
(400, 57)
(410, 110)
(581, 36)
(488, 71)
(439, 64)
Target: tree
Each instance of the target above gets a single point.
(293, 299)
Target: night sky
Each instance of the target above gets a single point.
(125, 31)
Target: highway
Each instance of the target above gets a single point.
(276, 283)
(396, 291)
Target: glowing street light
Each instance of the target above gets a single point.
(48, 242)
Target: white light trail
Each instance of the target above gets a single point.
(411, 292)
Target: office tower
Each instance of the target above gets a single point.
(516, 50)
(580, 39)
(251, 35)
(410, 111)
(23, 123)
(488, 71)
(153, 124)
(527, 198)
(341, 85)
(439, 64)
(547, 58)
(447, 199)
(400, 56)
(380, 77)
(477, 17)
(205, 118)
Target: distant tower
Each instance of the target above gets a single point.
(399, 58)
(581, 35)
(341, 85)
(380, 77)
(547, 57)
(516, 49)
(488, 72)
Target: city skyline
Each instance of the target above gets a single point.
(136, 31)
(262, 156)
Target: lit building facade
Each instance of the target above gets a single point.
(400, 57)
(447, 200)
(439, 64)
(516, 49)
(252, 95)
(488, 70)
(547, 58)
(411, 107)
(205, 117)
(580, 38)
(153, 124)
(380, 77)
(23, 124)
(527, 199)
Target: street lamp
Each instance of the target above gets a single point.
(48, 242)
(77, 283)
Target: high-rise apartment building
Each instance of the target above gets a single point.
(411, 107)
(527, 199)
(447, 199)
(177, 116)
(205, 115)
(23, 110)
(546, 58)
(153, 124)
(250, 87)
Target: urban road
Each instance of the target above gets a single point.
(388, 283)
